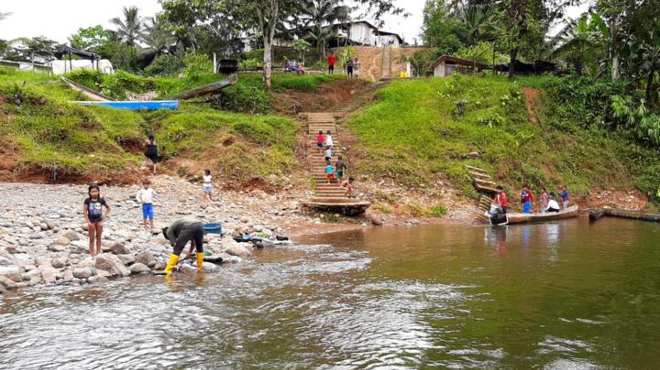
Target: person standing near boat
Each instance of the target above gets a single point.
(527, 199)
(501, 199)
(544, 199)
(565, 196)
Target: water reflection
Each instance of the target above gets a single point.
(427, 297)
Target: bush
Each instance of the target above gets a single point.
(165, 65)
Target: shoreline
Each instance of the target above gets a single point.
(43, 239)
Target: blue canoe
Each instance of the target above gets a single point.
(134, 104)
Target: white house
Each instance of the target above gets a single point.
(61, 67)
(365, 34)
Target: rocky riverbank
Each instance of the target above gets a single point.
(43, 239)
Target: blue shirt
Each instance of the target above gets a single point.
(329, 169)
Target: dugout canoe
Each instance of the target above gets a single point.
(134, 104)
(597, 214)
(521, 218)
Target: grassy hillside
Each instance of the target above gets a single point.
(41, 133)
(248, 95)
(421, 129)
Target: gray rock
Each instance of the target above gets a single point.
(237, 249)
(119, 248)
(82, 272)
(11, 272)
(209, 267)
(146, 258)
(48, 274)
(126, 259)
(71, 235)
(103, 273)
(59, 262)
(68, 276)
(139, 268)
(112, 264)
(57, 248)
(7, 283)
(62, 241)
(97, 279)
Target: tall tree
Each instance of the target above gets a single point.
(158, 34)
(526, 22)
(318, 15)
(90, 38)
(442, 29)
(129, 29)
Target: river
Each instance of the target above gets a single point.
(565, 295)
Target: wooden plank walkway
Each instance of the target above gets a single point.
(330, 197)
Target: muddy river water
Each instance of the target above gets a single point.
(566, 295)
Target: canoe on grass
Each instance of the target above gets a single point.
(520, 218)
(134, 104)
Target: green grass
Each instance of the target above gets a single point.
(52, 133)
(237, 145)
(416, 131)
(49, 132)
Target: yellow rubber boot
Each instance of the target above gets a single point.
(200, 260)
(171, 263)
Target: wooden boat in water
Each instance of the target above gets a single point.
(521, 218)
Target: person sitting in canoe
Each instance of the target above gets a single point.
(501, 199)
(179, 233)
(553, 206)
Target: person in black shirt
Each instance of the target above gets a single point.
(151, 151)
(179, 233)
(93, 213)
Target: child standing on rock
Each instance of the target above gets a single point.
(146, 197)
(93, 214)
(207, 188)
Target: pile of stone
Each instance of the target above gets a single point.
(43, 239)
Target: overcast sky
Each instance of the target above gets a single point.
(59, 19)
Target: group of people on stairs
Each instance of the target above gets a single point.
(336, 172)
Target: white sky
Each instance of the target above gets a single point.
(60, 19)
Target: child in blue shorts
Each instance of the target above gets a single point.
(146, 197)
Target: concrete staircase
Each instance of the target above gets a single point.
(327, 194)
(386, 72)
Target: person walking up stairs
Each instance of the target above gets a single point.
(329, 195)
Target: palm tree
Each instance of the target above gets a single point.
(129, 29)
(158, 35)
(580, 41)
(319, 16)
(478, 22)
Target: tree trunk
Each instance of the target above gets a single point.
(494, 58)
(650, 91)
(615, 67)
(512, 54)
(268, 61)
(613, 50)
